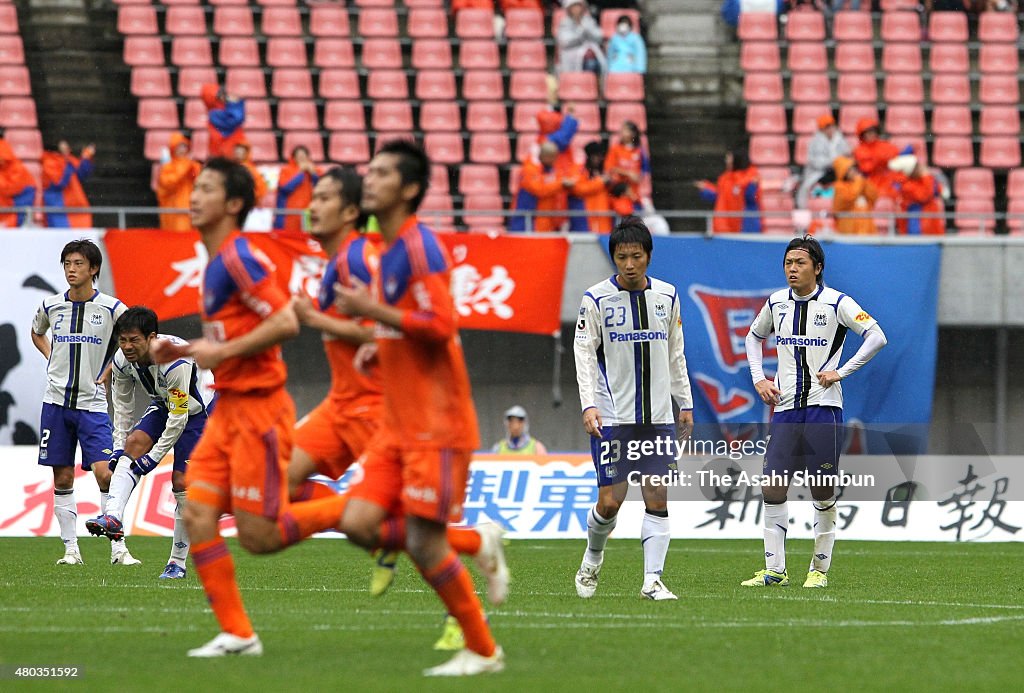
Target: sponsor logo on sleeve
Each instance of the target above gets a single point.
(862, 317)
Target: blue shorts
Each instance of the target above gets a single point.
(153, 423)
(648, 449)
(61, 427)
(808, 438)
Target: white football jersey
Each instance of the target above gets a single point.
(81, 341)
(629, 353)
(180, 387)
(810, 336)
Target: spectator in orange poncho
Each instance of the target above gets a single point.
(918, 192)
(852, 193)
(17, 186)
(737, 190)
(225, 118)
(592, 186)
(175, 182)
(873, 155)
(242, 154)
(63, 174)
(295, 188)
(472, 5)
(542, 188)
(626, 162)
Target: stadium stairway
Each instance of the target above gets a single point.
(80, 84)
(691, 89)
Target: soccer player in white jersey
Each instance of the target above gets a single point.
(630, 366)
(81, 324)
(179, 397)
(810, 321)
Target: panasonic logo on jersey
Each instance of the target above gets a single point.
(638, 336)
(802, 341)
(76, 339)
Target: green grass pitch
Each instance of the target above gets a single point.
(908, 616)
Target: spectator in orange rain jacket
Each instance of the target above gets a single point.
(175, 182)
(225, 118)
(852, 193)
(242, 154)
(542, 188)
(873, 154)
(626, 162)
(295, 188)
(17, 186)
(917, 192)
(63, 174)
(592, 187)
(737, 190)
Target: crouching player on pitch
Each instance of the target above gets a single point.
(811, 322)
(175, 418)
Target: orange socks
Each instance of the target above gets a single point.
(217, 573)
(464, 540)
(301, 520)
(311, 490)
(451, 581)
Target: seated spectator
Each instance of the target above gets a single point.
(852, 192)
(579, 40)
(737, 190)
(627, 163)
(593, 190)
(242, 153)
(225, 118)
(918, 192)
(542, 188)
(873, 154)
(175, 182)
(626, 49)
(827, 144)
(17, 186)
(295, 188)
(63, 174)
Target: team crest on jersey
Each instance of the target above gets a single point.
(820, 319)
(96, 319)
(727, 318)
(862, 317)
(660, 310)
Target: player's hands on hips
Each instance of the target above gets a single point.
(685, 423)
(592, 421)
(207, 354)
(828, 378)
(366, 357)
(767, 391)
(165, 351)
(353, 300)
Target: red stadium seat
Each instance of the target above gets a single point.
(257, 114)
(426, 23)
(617, 113)
(1015, 184)
(378, 22)
(588, 114)
(478, 24)
(479, 179)
(1000, 90)
(157, 113)
(16, 112)
(440, 116)
(976, 182)
(951, 120)
(245, 82)
(489, 148)
(146, 81)
(766, 119)
(851, 114)
(387, 84)
(297, 114)
(435, 84)
(192, 79)
(264, 145)
(136, 19)
(185, 20)
(809, 86)
(12, 50)
(443, 147)
(200, 144)
(998, 58)
(481, 55)
(195, 114)
(483, 85)
(577, 86)
(997, 27)
(760, 56)
(330, 52)
(286, 52)
(999, 120)
(480, 204)
(139, 51)
(806, 57)
(524, 115)
(626, 86)
(238, 51)
(524, 55)
(758, 26)
(233, 21)
(900, 26)
(391, 115)
(947, 27)
(27, 143)
(901, 57)
(529, 86)
(524, 24)
(344, 115)
(951, 88)
(311, 140)
(800, 149)
(968, 210)
(526, 147)
(434, 54)
(948, 57)
(761, 86)
(1000, 152)
(1015, 215)
(281, 21)
(349, 147)
(769, 150)
(190, 51)
(852, 26)
(329, 21)
(805, 26)
(610, 18)
(339, 84)
(439, 178)
(154, 143)
(486, 116)
(381, 54)
(952, 151)
(855, 57)
(903, 88)
(805, 116)
(905, 120)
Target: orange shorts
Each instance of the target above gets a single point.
(426, 483)
(241, 460)
(333, 439)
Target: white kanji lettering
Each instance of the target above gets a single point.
(190, 271)
(307, 271)
(475, 293)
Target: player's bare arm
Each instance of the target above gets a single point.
(357, 300)
(42, 343)
(278, 327)
(349, 330)
(684, 423)
(828, 378)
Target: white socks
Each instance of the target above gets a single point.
(179, 547)
(598, 529)
(776, 523)
(824, 534)
(654, 537)
(66, 511)
(122, 484)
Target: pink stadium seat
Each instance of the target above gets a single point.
(999, 120)
(610, 18)
(329, 21)
(16, 112)
(760, 56)
(157, 113)
(257, 114)
(951, 88)
(375, 3)
(855, 57)
(286, 52)
(1000, 152)
(233, 21)
(387, 84)
(1015, 184)
(245, 82)
(999, 90)
(479, 179)
(136, 19)
(483, 85)
(997, 27)
(348, 147)
(486, 116)
(976, 182)
(525, 55)
(1015, 215)
(947, 27)
(330, 52)
(900, 26)
(769, 150)
(948, 57)
(436, 211)
(200, 144)
(852, 26)
(766, 119)
(773, 177)
(478, 24)
(489, 148)
(524, 24)
(191, 51)
(778, 208)
(339, 84)
(281, 21)
(297, 114)
(378, 22)
(758, 26)
(903, 88)
(439, 178)
(588, 114)
(433, 54)
(967, 211)
(809, 86)
(27, 143)
(381, 54)
(998, 58)
(482, 55)
(901, 57)
(482, 203)
(12, 51)
(139, 51)
(146, 81)
(344, 115)
(624, 87)
(805, 116)
(440, 116)
(179, 2)
(8, 19)
(905, 120)
(851, 114)
(264, 145)
(311, 140)
(617, 113)
(530, 86)
(391, 115)
(577, 86)
(805, 26)
(806, 57)
(186, 20)
(192, 79)
(526, 147)
(917, 145)
(435, 84)
(524, 115)
(761, 86)
(443, 147)
(952, 151)
(800, 149)
(513, 178)
(892, 5)
(154, 143)
(270, 3)
(951, 120)
(425, 22)
(238, 51)
(217, 3)
(195, 114)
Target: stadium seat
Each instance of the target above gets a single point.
(146, 81)
(195, 114)
(434, 54)
(998, 58)
(376, 22)
(139, 51)
(522, 55)
(286, 52)
(896, 5)
(809, 86)
(947, 27)
(1015, 215)
(257, 114)
(338, 83)
(526, 147)
(777, 208)
(330, 52)
(137, 19)
(269, 3)
(443, 147)
(997, 27)
(852, 26)
(439, 178)
(901, 57)
(27, 143)
(12, 51)
(627, 86)
(485, 116)
(1015, 184)
(951, 88)
(851, 114)
(381, 54)
(999, 90)
(297, 114)
(281, 21)
(905, 120)
(532, 85)
(916, 144)
(156, 113)
(805, 116)
(758, 26)
(806, 57)
(903, 88)
(375, 3)
(16, 112)
(479, 179)
(577, 86)
(999, 120)
(805, 26)
(952, 151)
(440, 116)
(388, 84)
(483, 85)
(524, 24)
(482, 55)
(238, 51)
(233, 21)
(348, 147)
(200, 144)
(951, 120)
(773, 177)
(524, 115)
(185, 20)
(245, 82)
(948, 57)
(154, 143)
(900, 26)
(1000, 152)
(8, 19)
(436, 210)
(760, 86)
(217, 3)
(609, 18)
(427, 23)
(329, 21)
(967, 211)
(190, 51)
(391, 115)
(489, 148)
(513, 178)
(766, 119)
(264, 145)
(760, 56)
(800, 149)
(192, 79)
(480, 203)
(857, 87)
(855, 57)
(311, 140)
(769, 150)
(344, 115)
(617, 113)
(474, 24)
(975, 182)
(435, 84)
(588, 114)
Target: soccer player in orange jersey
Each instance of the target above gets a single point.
(430, 426)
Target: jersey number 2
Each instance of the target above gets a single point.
(615, 316)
